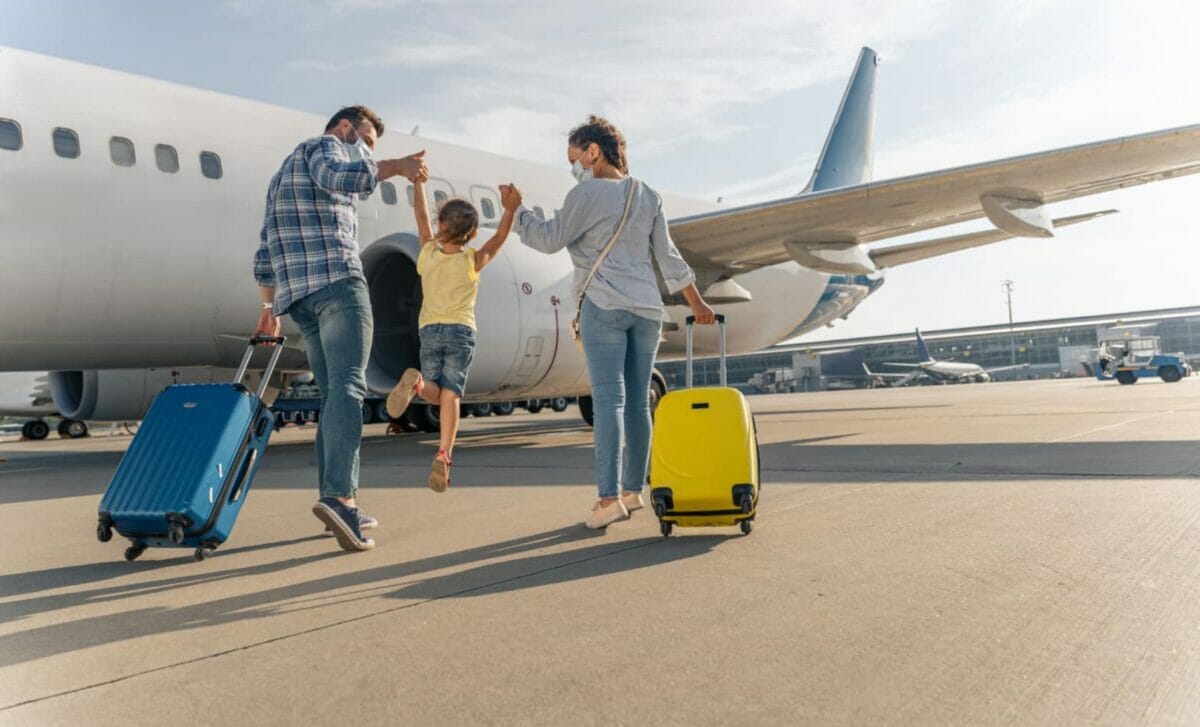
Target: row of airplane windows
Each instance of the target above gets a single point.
(120, 150)
(166, 158)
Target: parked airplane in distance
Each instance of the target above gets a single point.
(943, 371)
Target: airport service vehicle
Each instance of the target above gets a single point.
(1140, 357)
(198, 164)
(774, 381)
(704, 468)
(185, 476)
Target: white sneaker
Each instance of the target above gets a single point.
(604, 515)
(632, 501)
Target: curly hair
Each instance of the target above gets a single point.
(457, 221)
(601, 132)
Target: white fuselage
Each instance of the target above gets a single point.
(130, 267)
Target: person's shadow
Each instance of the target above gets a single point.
(555, 568)
(604, 557)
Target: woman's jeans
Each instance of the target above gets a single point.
(620, 348)
(337, 326)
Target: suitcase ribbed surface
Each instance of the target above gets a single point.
(172, 463)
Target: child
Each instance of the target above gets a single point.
(449, 273)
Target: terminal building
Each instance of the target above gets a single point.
(1052, 348)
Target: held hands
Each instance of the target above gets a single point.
(412, 167)
(510, 197)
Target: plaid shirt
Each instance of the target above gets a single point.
(309, 236)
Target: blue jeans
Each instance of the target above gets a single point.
(447, 350)
(337, 326)
(620, 348)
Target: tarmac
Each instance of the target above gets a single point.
(1020, 553)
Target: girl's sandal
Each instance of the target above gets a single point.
(439, 477)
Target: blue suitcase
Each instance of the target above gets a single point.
(182, 482)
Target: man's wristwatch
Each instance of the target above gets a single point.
(268, 306)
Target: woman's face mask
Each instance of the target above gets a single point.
(578, 171)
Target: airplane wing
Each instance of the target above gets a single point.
(903, 365)
(826, 230)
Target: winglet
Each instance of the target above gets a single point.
(849, 149)
(922, 350)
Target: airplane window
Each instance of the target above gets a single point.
(489, 211)
(166, 158)
(66, 143)
(439, 197)
(210, 165)
(121, 151)
(388, 190)
(10, 135)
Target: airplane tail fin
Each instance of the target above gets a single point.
(922, 350)
(849, 149)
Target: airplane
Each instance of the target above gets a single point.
(944, 371)
(130, 210)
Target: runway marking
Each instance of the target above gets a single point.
(24, 469)
(1110, 426)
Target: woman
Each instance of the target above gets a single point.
(621, 315)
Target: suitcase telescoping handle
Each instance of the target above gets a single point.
(691, 323)
(277, 343)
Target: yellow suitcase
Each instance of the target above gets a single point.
(704, 468)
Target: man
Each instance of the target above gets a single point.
(308, 267)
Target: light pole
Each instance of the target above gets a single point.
(1012, 340)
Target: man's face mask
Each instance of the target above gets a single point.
(358, 147)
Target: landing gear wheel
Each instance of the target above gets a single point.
(72, 429)
(36, 430)
(665, 527)
(559, 404)
(175, 533)
(586, 410)
(408, 420)
(504, 408)
(104, 533)
(427, 419)
(534, 407)
(133, 551)
(203, 552)
(747, 526)
(483, 410)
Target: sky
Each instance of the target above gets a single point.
(721, 99)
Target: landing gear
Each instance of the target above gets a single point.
(72, 429)
(503, 408)
(559, 404)
(483, 410)
(586, 410)
(36, 430)
(535, 406)
(427, 418)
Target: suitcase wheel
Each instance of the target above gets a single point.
(104, 533)
(665, 527)
(747, 526)
(133, 551)
(203, 552)
(175, 533)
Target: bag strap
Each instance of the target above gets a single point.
(633, 184)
